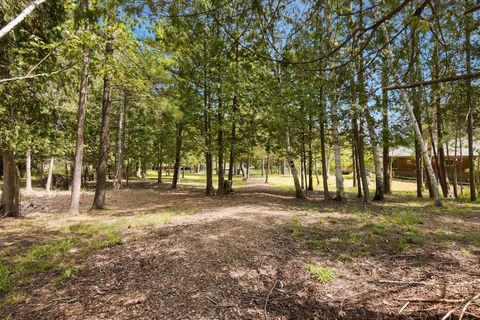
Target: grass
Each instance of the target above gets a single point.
(321, 274)
(76, 240)
(297, 228)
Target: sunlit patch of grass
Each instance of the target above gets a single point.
(297, 228)
(44, 257)
(321, 274)
(406, 217)
(374, 228)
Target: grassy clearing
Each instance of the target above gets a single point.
(76, 240)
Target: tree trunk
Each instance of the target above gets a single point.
(220, 142)
(82, 105)
(138, 173)
(293, 170)
(267, 169)
(361, 159)
(310, 156)
(379, 187)
(386, 133)
(178, 153)
(262, 166)
(102, 165)
(28, 171)
(470, 110)
(247, 173)
(120, 141)
(323, 120)
(411, 114)
(339, 195)
(455, 174)
(48, 185)
(160, 163)
(442, 172)
(10, 205)
(359, 130)
(356, 169)
(231, 166)
(208, 138)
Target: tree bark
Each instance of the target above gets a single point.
(82, 105)
(10, 205)
(339, 194)
(28, 171)
(379, 187)
(310, 156)
(48, 185)
(470, 110)
(442, 172)
(231, 166)
(267, 169)
(293, 170)
(102, 165)
(120, 142)
(208, 138)
(386, 133)
(178, 153)
(323, 120)
(220, 167)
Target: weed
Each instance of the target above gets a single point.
(6, 282)
(321, 274)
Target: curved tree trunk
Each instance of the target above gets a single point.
(410, 112)
(293, 170)
(10, 205)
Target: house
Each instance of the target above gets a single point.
(404, 166)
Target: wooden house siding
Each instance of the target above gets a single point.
(405, 167)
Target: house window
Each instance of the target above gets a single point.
(409, 161)
(395, 164)
(449, 162)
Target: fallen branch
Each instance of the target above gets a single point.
(464, 309)
(404, 306)
(465, 304)
(266, 300)
(405, 282)
(429, 300)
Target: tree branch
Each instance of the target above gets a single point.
(31, 76)
(468, 76)
(20, 17)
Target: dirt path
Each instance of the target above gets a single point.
(235, 258)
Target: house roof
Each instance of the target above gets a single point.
(410, 152)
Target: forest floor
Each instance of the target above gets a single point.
(158, 253)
